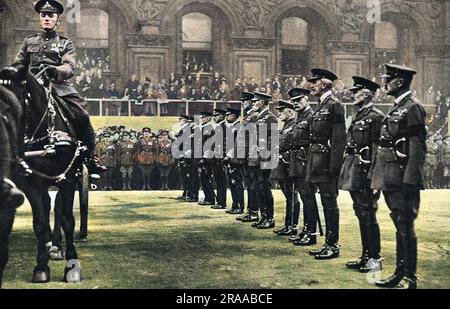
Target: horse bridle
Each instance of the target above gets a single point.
(52, 136)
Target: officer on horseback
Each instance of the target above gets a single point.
(56, 54)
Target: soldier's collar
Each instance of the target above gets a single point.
(366, 106)
(49, 34)
(325, 96)
(402, 97)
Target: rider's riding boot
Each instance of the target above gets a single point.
(87, 135)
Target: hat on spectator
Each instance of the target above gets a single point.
(146, 129)
(363, 83)
(121, 128)
(185, 117)
(113, 128)
(126, 133)
(321, 73)
(106, 134)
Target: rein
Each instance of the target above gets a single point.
(52, 135)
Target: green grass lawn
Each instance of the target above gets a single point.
(150, 240)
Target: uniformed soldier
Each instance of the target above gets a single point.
(398, 170)
(264, 120)
(219, 175)
(297, 169)
(445, 159)
(110, 159)
(325, 156)
(146, 152)
(192, 163)
(185, 122)
(101, 148)
(233, 163)
(205, 164)
(281, 173)
(431, 161)
(362, 145)
(249, 170)
(165, 158)
(126, 160)
(56, 54)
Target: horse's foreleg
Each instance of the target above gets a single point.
(56, 249)
(72, 272)
(6, 223)
(40, 205)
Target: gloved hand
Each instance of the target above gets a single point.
(51, 72)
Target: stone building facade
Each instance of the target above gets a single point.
(249, 38)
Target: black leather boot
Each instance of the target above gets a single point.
(409, 281)
(395, 279)
(309, 239)
(357, 264)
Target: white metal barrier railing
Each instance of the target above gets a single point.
(122, 107)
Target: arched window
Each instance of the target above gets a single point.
(293, 38)
(93, 31)
(386, 36)
(294, 31)
(197, 43)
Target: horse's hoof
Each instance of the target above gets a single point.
(83, 236)
(72, 272)
(41, 276)
(55, 254)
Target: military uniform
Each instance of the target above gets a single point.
(56, 53)
(126, 161)
(181, 162)
(165, 160)
(218, 169)
(248, 168)
(398, 172)
(146, 151)
(431, 162)
(281, 172)
(325, 161)
(362, 145)
(110, 159)
(265, 119)
(234, 165)
(445, 161)
(301, 141)
(205, 164)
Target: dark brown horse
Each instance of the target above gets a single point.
(10, 109)
(51, 157)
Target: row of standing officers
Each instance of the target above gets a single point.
(378, 153)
